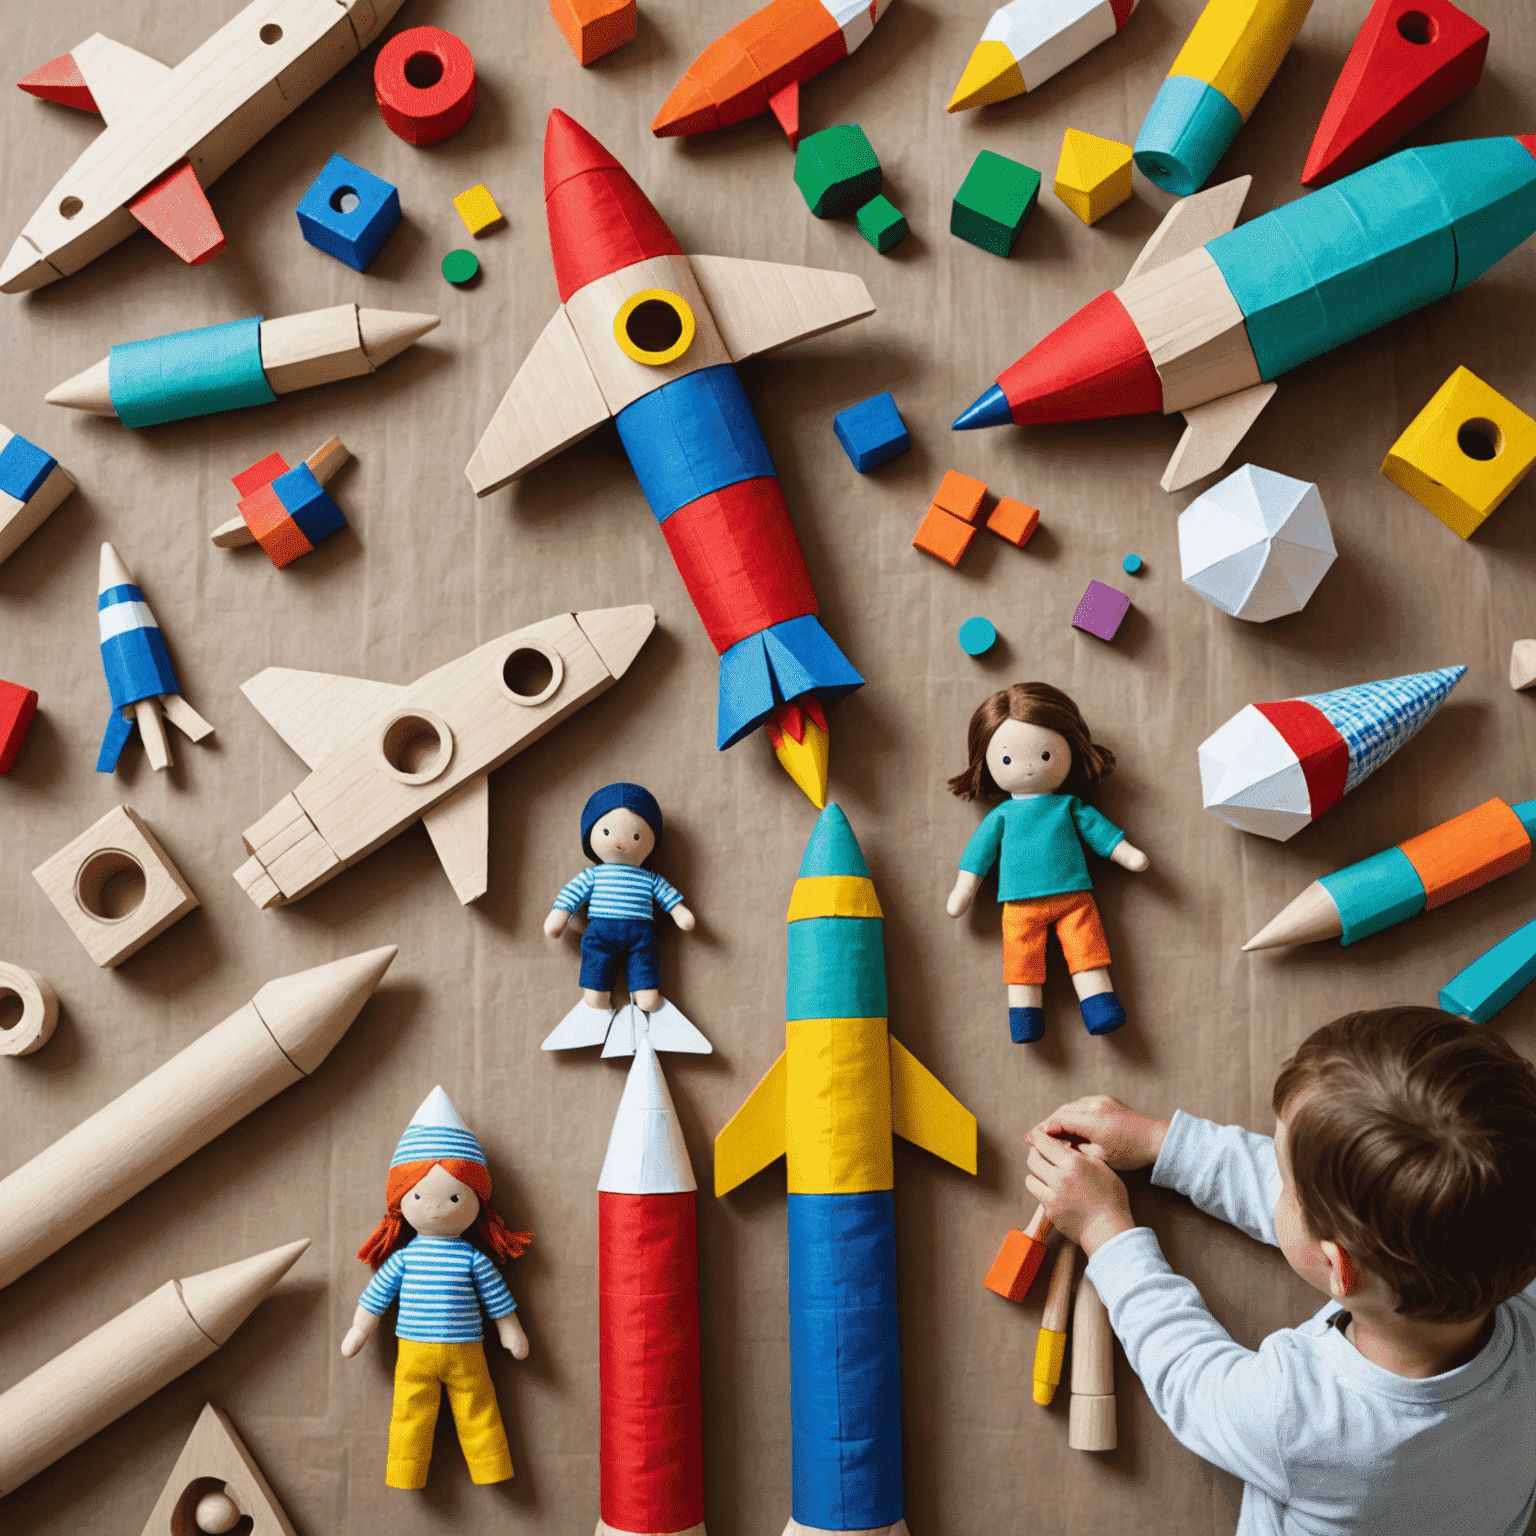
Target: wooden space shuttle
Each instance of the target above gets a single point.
(384, 755)
(172, 132)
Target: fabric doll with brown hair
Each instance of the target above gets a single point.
(1031, 743)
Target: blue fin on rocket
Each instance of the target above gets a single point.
(777, 664)
(119, 729)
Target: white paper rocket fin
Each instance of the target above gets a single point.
(460, 829)
(760, 305)
(646, 1152)
(1211, 432)
(117, 76)
(669, 1029)
(628, 1026)
(582, 1026)
(552, 402)
(1191, 222)
(312, 711)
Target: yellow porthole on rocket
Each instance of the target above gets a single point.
(654, 326)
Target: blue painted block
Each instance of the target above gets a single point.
(349, 213)
(306, 502)
(188, 373)
(779, 663)
(1494, 978)
(872, 432)
(836, 969)
(23, 467)
(845, 1361)
(1187, 129)
(1375, 893)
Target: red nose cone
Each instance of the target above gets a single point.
(599, 220)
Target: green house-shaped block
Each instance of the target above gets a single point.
(836, 170)
(993, 202)
(882, 223)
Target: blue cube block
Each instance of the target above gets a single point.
(305, 500)
(23, 467)
(872, 432)
(349, 213)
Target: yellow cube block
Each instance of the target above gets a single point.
(1463, 453)
(478, 209)
(1093, 174)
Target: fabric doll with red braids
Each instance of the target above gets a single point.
(439, 1185)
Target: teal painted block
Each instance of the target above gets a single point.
(1375, 893)
(1187, 129)
(882, 223)
(1493, 979)
(836, 969)
(993, 202)
(836, 170)
(188, 373)
(1489, 186)
(833, 849)
(1526, 811)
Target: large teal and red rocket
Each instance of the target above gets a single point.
(1272, 294)
(830, 1105)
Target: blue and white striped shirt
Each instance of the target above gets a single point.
(619, 891)
(441, 1282)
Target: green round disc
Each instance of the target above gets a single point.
(460, 266)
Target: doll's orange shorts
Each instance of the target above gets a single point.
(1075, 917)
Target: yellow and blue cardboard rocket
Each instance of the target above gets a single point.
(829, 1106)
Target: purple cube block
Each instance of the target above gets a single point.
(1101, 610)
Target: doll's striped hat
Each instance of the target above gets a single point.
(437, 1130)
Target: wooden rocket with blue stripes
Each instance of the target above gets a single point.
(650, 337)
(830, 1105)
(140, 676)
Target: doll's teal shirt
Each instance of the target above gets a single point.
(1037, 842)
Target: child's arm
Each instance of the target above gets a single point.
(498, 1303)
(373, 1304)
(670, 900)
(573, 894)
(1106, 839)
(980, 855)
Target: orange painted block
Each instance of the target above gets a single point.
(595, 27)
(960, 494)
(1013, 521)
(1016, 1265)
(1468, 851)
(943, 536)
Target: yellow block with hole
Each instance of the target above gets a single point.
(1463, 453)
(478, 209)
(1093, 174)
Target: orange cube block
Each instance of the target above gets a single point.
(1013, 521)
(1016, 1265)
(943, 536)
(595, 27)
(960, 494)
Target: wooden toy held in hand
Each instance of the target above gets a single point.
(1031, 743)
(620, 829)
(439, 1186)
(172, 132)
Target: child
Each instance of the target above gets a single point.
(439, 1185)
(1401, 1181)
(620, 830)
(1030, 742)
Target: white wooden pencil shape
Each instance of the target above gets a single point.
(140, 676)
(63, 1403)
(1091, 1417)
(243, 362)
(274, 1041)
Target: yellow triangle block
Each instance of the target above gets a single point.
(1093, 174)
(991, 75)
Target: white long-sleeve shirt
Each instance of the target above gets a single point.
(1326, 1442)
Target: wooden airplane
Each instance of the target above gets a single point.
(384, 755)
(172, 132)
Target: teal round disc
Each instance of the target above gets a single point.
(460, 266)
(977, 636)
(1131, 564)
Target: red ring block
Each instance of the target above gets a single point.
(425, 114)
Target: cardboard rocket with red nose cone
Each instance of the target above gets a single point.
(650, 337)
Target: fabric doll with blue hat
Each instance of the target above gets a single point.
(620, 829)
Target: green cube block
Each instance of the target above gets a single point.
(836, 170)
(993, 202)
(882, 223)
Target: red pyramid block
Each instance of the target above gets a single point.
(60, 80)
(1410, 59)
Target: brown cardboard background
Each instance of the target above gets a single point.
(426, 573)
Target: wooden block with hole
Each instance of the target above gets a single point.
(214, 1485)
(29, 1009)
(116, 887)
(1463, 453)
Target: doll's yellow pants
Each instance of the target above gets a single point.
(422, 1371)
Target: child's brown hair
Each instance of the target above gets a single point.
(1412, 1137)
(1034, 704)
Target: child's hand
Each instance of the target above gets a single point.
(966, 886)
(1082, 1196)
(512, 1337)
(1129, 858)
(683, 917)
(554, 924)
(1109, 1131)
(353, 1342)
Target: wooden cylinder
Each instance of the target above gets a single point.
(1091, 1421)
